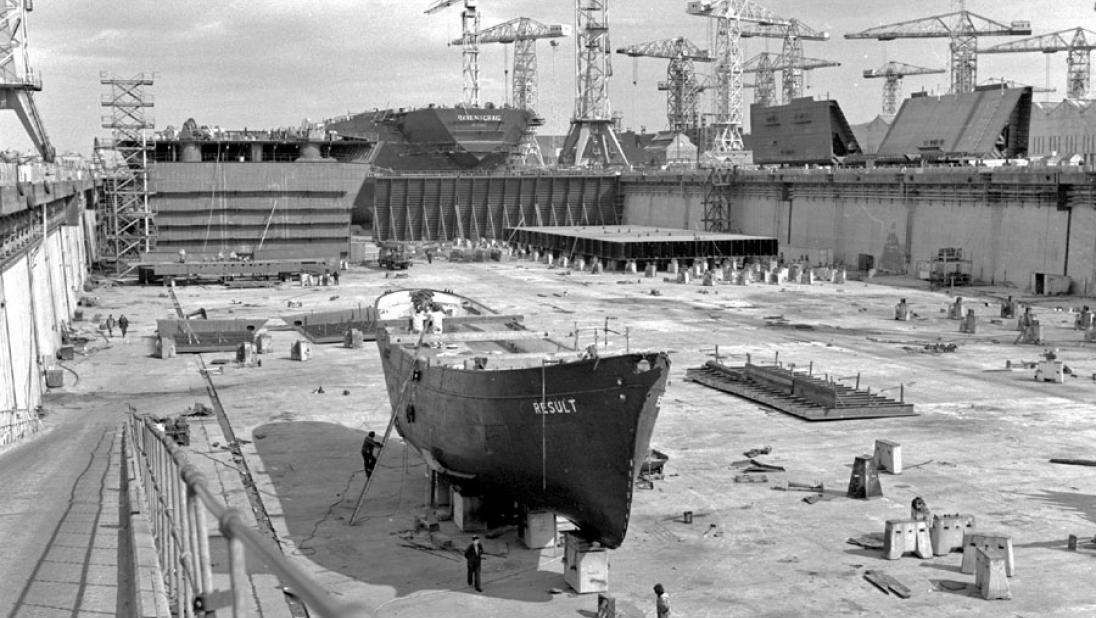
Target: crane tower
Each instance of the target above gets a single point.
(469, 40)
(765, 66)
(729, 15)
(1078, 42)
(893, 72)
(591, 140)
(524, 32)
(962, 28)
(17, 78)
(793, 35)
(681, 86)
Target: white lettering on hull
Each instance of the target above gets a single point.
(555, 406)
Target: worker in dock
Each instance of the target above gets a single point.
(902, 311)
(955, 312)
(335, 277)
(1084, 319)
(473, 555)
(1029, 328)
(369, 453)
(662, 602)
(110, 325)
(123, 325)
(1008, 308)
(969, 323)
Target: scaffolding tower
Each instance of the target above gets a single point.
(126, 226)
(717, 200)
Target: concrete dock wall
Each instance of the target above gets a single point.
(1010, 224)
(40, 284)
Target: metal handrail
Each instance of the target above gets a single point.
(173, 489)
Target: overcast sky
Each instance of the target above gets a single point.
(272, 63)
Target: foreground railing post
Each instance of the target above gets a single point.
(236, 562)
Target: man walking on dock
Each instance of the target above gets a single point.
(110, 325)
(123, 325)
(662, 602)
(473, 554)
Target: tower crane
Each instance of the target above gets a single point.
(591, 139)
(524, 32)
(17, 78)
(469, 40)
(681, 86)
(963, 29)
(1078, 42)
(893, 72)
(793, 35)
(729, 16)
(766, 64)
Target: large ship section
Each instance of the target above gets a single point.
(436, 138)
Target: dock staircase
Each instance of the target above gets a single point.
(797, 393)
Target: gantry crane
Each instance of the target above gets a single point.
(793, 36)
(469, 40)
(591, 140)
(962, 27)
(766, 64)
(893, 72)
(524, 32)
(17, 78)
(729, 16)
(681, 86)
(1078, 42)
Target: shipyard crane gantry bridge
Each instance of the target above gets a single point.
(963, 29)
(766, 64)
(524, 33)
(729, 16)
(1078, 42)
(893, 72)
(793, 36)
(469, 40)
(681, 86)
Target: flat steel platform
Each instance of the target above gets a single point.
(642, 243)
(798, 394)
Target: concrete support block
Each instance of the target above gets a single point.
(839, 275)
(300, 350)
(564, 262)
(864, 480)
(948, 531)
(630, 267)
(354, 339)
(245, 353)
(540, 530)
(585, 565)
(698, 269)
(888, 456)
(673, 268)
(264, 344)
(167, 347)
(992, 542)
(596, 267)
(580, 264)
(467, 512)
(990, 576)
(549, 259)
(650, 271)
(536, 256)
(903, 536)
(683, 276)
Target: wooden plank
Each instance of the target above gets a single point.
(498, 335)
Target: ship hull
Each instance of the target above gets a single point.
(568, 437)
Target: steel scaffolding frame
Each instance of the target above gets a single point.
(126, 225)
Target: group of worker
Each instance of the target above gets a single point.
(432, 320)
(122, 323)
(329, 277)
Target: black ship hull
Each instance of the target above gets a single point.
(568, 436)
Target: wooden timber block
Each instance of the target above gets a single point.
(948, 531)
(887, 584)
(972, 541)
(903, 536)
(888, 456)
(989, 575)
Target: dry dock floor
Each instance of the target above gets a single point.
(982, 437)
